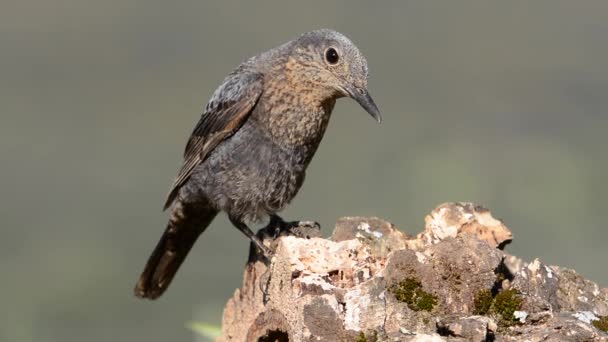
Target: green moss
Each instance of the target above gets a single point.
(601, 324)
(503, 305)
(410, 292)
(506, 303)
(483, 302)
(426, 302)
(363, 338)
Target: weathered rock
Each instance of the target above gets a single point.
(453, 219)
(470, 328)
(371, 282)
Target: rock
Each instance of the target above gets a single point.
(471, 328)
(371, 282)
(453, 219)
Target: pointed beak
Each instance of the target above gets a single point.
(363, 97)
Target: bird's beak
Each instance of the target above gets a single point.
(362, 96)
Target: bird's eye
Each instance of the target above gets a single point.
(331, 56)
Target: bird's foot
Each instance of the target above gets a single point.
(276, 228)
(301, 229)
(262, 248)
(305, 229)
(308, 224)
(258, 251)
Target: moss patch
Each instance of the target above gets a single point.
(601, 324)
(363, 338)
(506, 303)
(410, 292)
(483, 302)
(503, 305)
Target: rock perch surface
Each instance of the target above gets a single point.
(451, 282)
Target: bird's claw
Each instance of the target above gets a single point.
(301, 229)
(309, 224)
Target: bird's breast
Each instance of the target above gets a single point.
(296, 120)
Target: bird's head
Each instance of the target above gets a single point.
(332, 62)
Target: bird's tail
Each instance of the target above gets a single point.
(187, 223)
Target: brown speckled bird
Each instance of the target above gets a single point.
(248, 154)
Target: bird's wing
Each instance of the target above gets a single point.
(227, 110)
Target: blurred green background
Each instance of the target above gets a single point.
(500, 103)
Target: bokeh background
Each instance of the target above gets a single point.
(500, 103)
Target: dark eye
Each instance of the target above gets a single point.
(331, 56)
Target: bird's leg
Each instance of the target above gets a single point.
(240, 225)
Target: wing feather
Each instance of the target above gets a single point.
(225, 113)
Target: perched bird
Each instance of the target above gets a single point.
(248, 154)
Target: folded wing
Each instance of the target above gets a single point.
(225, 113)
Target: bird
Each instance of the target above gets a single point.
(248, 154)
